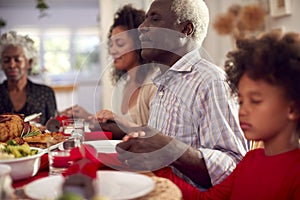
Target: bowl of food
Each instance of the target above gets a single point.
(24, 160)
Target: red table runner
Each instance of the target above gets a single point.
(97, 135)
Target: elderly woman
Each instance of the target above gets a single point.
(18, 93)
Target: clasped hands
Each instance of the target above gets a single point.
(149, 150)
(143, 148)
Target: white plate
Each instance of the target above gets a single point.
(114, 185)
(104, 146)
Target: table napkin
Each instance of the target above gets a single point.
(97, 135)
(84, 161)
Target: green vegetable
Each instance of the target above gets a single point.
(29, 134)
(14, 151)
(19, 151)
(33, 151)
(12, 142)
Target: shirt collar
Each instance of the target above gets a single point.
(186, 63)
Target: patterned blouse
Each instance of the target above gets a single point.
(40, 98)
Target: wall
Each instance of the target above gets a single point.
(290, 22)
(217, 46)
(26, 17)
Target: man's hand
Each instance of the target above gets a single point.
(149, 150)
(118, 131)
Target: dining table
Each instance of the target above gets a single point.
(163, 187)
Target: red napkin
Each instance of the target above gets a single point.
(60, 118)
(97, 135)
(86, 164)
(44, 162)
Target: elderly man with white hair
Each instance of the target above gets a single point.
(193, 125)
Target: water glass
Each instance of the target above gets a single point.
(74, 128)
(59, 156)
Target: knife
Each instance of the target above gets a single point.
(31, 117)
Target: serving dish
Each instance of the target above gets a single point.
(24, 167)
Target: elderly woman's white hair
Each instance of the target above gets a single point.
(12, 38)
(194, 11)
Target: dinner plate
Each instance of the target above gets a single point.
(114, 185)
(104, 146)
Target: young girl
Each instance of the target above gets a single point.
(265, 74)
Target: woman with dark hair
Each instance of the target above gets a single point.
(127, 19)
(131, 75)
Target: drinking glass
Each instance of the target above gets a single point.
(74, 128)
(60, 156)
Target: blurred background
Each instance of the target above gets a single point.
(71, 36)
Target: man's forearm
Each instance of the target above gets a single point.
(192, 165)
